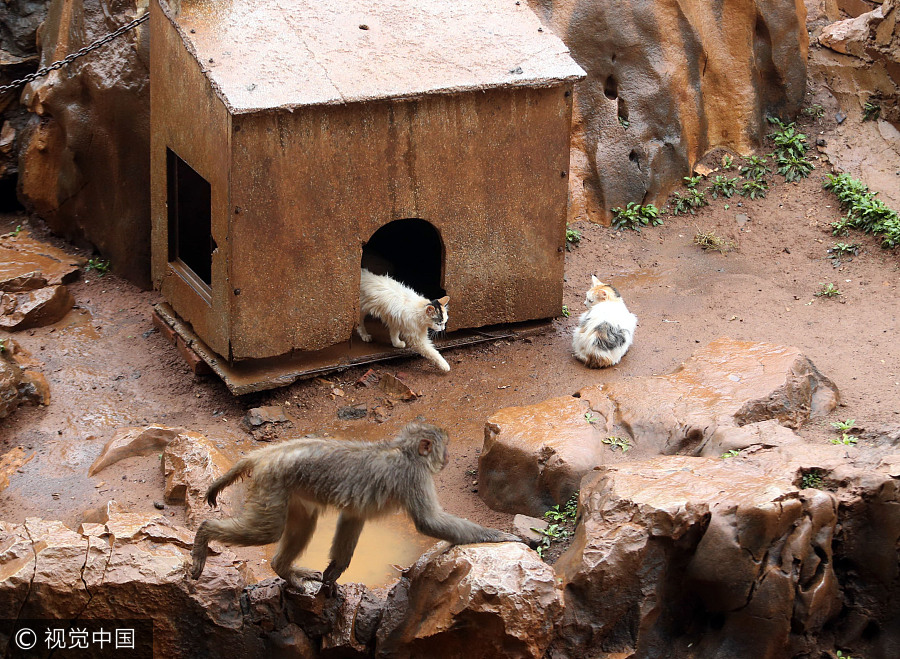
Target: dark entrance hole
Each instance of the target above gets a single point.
(8, 200)
(190, 218)
(411, 252)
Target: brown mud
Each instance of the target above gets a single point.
(109, 368)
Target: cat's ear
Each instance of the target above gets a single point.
(601, 295)
(595, 281)
(444, 300)
(430, 311)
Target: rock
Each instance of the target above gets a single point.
(10, 378)
(191, 462)
(18, 383)
(535, 456)
(91, 125)
(730, 69)
(396, 388)
(504, 591)
(30, 263)
(258, 416)
(11, 461)
(523, 526)
(28, 309)
(130, 442)
(29, 281)
(352, 412)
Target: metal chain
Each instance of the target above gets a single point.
(73, 56)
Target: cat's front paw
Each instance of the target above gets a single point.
(399, 343)
(364, 335)
(444, 366)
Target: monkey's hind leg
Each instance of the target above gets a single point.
(260, 523)
(298, 529)
(342, 547)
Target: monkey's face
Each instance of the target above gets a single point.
(431, 444)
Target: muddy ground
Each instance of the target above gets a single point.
(108, 368)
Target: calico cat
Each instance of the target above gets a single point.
(606, 329)
(404, 312)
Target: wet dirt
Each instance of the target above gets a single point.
(109, 368)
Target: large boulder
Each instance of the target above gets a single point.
(19, 381)
(535, 456)
(489, 600)
(190, 464)
(85, 163)
(670, 80)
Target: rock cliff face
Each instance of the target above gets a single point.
(84, 163)
(667, 82)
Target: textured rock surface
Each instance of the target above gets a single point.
(10, 462)
(129, 442)
(680, 556)
(92, 128)
(29, 264)
(19, 383)
(535, 456)
(44, 306)
(686, 77)
(191, 462)
(505, 592)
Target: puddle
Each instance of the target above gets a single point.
(77, 325)
(638, 278)
(391, 540)
(20, 255)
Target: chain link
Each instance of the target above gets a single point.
(68, 59)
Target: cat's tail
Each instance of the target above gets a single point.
(239, 469)
(609, 337)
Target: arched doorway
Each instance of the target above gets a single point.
(411, 251)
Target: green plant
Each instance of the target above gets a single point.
(793, 168)
(844, 249)
(722, 185)
(590, 417)
(562, 521)
(567, 513)
(709, 241)
(692, 182)
(573, 237)
(840, 655)
(816, 111)
(553, 533)
(686, 204)
(789, 142)
(811, 480)
(843, 426)
(864, 210)
(634, 216)
(871, 111)
(565, 311)
(828, 290)
(2, 346)
(101, 266)
(754, 188)
(15, 232)
(847, 440)
(617, 442)
(727, 162)
(755, 168)
(733, 453)
(623, 122)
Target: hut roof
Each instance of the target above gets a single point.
(267, 54)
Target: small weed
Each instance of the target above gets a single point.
(471, 472)
(722, 185)
(789, 143)
(691, 182)
(623, 122)
(617, 442)
(840, 655)
(793, 168)
(871, 111)
(101, 266)
(634, 216)
(864, 210)
(553, 533)
(842, 252)
(562, 522)
(811, 480)
(727, 162)
(733, 453)
(573, 237)
(2, 346)
(754, 189)
(756, 168)
(565, 311)
(843, 426)
(567, 513)
(15, 232)
(828, 290)
(815, 111)
(846, 440)
(686, 204)
(709, 241)
(590, 418)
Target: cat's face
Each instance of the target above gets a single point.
(600, 292)
(437, 313)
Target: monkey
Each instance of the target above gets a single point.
(291, 483)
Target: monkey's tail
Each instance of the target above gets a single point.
(226, 479)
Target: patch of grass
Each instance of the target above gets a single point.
(844, 427)
(709, 241)
(634, 216)
(811, 480)
(828, 290)
(733, 453)
(617, 442)
(101, 266)
(573, 237)
(561, 526)
(755, 168)
(567, 513)
(722, 185)
(815, 111)
(864, 210)
(754, 189)
(565, 311)
(692, 199)
(871, 111)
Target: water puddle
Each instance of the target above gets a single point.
(20, 255)
(391, 540)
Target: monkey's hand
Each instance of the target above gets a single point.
(509, 537)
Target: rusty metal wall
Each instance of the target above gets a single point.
(310, 187)
(187, 117)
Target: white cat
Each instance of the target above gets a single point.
(404, 312)
(606, 329)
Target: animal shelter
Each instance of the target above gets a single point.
(425, 139)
